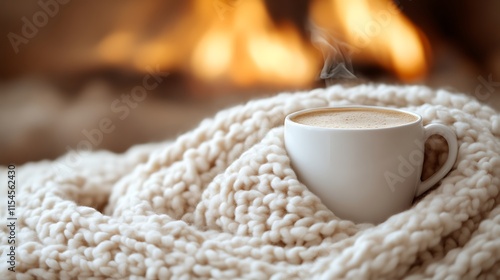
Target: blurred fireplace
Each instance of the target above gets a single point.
(66, 62)
(229, 42)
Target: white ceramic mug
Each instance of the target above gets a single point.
(367, 174)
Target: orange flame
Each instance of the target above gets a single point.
(248, 47)
(377, 31)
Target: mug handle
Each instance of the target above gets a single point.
(451, 139)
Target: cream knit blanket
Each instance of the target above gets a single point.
(221, 201)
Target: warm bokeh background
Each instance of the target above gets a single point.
(64, 64)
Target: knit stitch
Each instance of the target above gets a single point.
(222, 201)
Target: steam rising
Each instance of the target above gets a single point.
(336, 55)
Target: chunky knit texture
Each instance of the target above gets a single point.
(222, 201)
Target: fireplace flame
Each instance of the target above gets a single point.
(377, 32)
(250, 48)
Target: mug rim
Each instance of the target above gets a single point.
(288, 118)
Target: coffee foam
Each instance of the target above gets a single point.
(355, 118)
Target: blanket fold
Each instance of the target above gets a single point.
(221, 201)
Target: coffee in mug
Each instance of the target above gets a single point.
(363, 162)
(355, 118)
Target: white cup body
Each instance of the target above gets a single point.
(363, 175)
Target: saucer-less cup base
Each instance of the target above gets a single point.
(364, 175)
